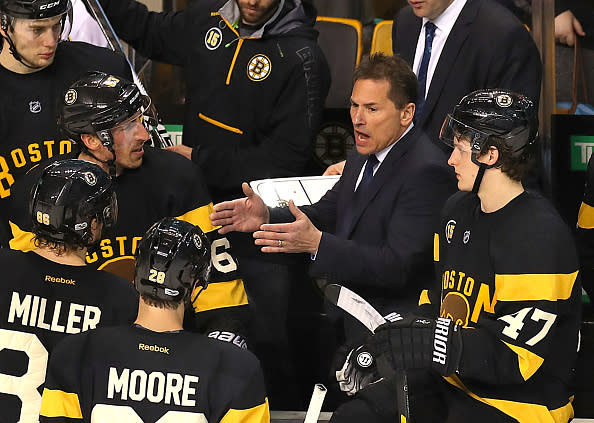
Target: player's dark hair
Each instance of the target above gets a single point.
(515, 166)
(403, 81)
(59, 248)
(159, 302)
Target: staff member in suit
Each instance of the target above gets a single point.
(372, 230)
(459, 46)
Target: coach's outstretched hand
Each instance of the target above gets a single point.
(242, 215)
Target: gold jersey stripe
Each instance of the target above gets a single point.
(435, 247)
(21, 240)
(424, 298)
(528, 362)
(56, 403)
(219, 295)
(228, 81)
(257, 414)
(199, 217)
(534, 287)
(521, 411)
(586, 217)
(220, 124)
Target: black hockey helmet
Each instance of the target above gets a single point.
(489, 113)
(171, 258)
(34, 9)
(97, 103)
(484, 116)
(68, 195)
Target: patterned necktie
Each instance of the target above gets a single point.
(367, 174)
(422, 76)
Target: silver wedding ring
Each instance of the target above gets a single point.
(280, 243)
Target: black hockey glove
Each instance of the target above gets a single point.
(416, 342)
(358, 371)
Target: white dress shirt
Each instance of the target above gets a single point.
(444, 24)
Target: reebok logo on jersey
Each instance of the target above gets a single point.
(156, 348)
(53, 279)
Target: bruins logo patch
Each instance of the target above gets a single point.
(70, 96)
(503, 100)
(259, 68)
(213, 38)
(90, 178)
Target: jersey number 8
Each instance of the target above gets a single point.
(25, 386)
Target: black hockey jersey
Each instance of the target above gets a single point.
(41, 303)
(133, 374)
(166, 184)
(510, 278)
(28, 111)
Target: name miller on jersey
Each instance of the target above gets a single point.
(72, 318)
(157, 387)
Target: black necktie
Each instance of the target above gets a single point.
(367, 174)
(422, 76)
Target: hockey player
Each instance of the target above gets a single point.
(50, 293)
(102, 114)
(506, 337)
(35, 68)
(154, 370)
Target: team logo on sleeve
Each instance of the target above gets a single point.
(70, 96)
(213, 38)
(35, 106)
(449, 230)
(259, 68)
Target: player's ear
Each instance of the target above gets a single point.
(492, 155)
(91, 142)
(96, 229)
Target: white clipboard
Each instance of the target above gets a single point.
(302, 190)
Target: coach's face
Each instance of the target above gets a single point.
(256, 12)
(377, 121)
(429, 9)
(129, 138)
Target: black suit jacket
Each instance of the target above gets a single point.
(381, 245)
(488, 47)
